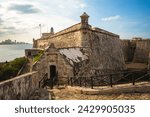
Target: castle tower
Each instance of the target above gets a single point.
(52, 30)
(84, 19)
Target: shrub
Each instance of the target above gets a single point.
(10, 69)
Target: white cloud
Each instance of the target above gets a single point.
(56, 13)
(111, 18)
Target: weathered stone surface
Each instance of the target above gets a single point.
(142, 51)
(102, 48)
(53, 57)
(19, 87)
(39, 94)
(136, 50)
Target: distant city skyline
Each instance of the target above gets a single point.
(19, 20)
(9, 41)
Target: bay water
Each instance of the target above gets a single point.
(10, 52)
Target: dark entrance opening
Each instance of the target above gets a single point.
(52, 71)
(29, 53)
(53, 75)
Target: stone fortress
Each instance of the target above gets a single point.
(79, 50)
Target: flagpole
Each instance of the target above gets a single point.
(40, 29)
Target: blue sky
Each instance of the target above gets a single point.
(20, 19)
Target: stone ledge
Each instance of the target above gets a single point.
(18, 77)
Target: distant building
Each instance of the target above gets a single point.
(9, 41)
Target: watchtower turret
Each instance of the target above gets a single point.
(84, 19)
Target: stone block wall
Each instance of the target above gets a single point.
(70, 37)
(64, 69)
(126, 48)
(19, 87)
(106, 51)
(41, 66)
(103, 48)
(142, 51)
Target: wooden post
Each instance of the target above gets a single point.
(91, 83)
(39, 84)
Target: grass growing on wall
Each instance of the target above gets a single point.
(37, 57)
(10, 69)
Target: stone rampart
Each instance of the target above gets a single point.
(19, 87)
(142, 51)
(71, 37)
(105, 53)
(126, 48)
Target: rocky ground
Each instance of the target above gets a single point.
(115, 93)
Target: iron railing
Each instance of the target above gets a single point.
(42, 81)
(110, 79)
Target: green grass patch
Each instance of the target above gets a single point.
(37, 57)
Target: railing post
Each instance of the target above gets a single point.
(71, 81)
(133, 80)
(39, 84)
(91, 82)
(85, 81)
(68, 80)
(80, 81)
(111, 83)
(51, 83)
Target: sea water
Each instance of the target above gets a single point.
(10, 52)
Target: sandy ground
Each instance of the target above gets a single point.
(66, 94)
(77, 93)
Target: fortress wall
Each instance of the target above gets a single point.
(69, 29)
(105, 51)
(70, 37)
(142, 51)
(125, 48)
(19, 87)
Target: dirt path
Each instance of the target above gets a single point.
(77, 93)
(66, 94)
